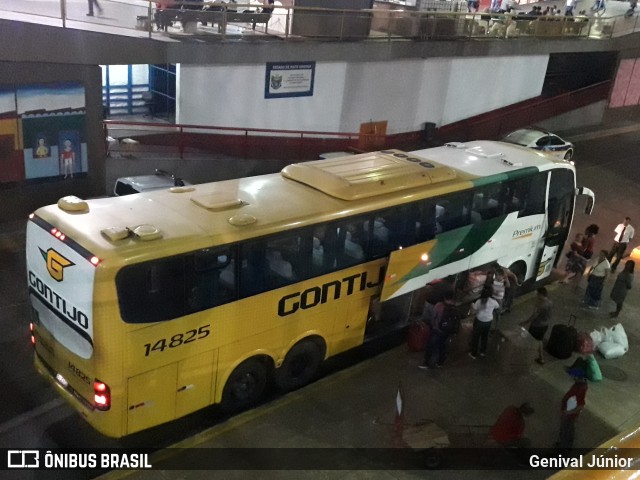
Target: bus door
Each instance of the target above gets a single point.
(559, 214)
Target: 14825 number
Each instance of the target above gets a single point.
(177, 340)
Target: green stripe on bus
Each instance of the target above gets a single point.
(456, 245)
(502, 177)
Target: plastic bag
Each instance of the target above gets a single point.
(597, 338)
(606, 335)
(593, 369)
(619, 336)
(611, 350)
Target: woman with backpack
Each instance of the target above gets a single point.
(443, 324)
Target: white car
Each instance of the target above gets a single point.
(145, 183)
(540, 139)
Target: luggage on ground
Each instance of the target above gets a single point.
(563, 339)
(593, 369)
(418, 336)
(585, 343)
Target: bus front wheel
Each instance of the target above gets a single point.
(300, 366)
(245, 385)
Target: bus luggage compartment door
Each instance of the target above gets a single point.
(194, 382)
(151, 398)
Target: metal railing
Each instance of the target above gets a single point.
(139, 139)
(446, 22)
(142, 139)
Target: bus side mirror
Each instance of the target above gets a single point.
(591, 198)
(588, 208)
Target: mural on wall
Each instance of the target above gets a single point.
(42, 132)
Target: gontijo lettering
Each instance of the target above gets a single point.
(320, 294)
(57, 302)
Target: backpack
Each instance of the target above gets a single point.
(449, 320)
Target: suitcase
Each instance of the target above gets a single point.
(418, 336)
(563, 339)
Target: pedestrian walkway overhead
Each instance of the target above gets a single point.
(450, 21)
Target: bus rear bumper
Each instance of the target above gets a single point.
(94, 417)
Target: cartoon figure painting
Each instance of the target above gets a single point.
(42, 149)
(67, 158)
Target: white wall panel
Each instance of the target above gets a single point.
(233, 96)
(381, 91)
(406, 93)
(478, 85)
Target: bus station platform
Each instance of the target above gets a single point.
(374, 403)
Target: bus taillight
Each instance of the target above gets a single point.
(101, 395)
(94, 261)
(33, 334)
(58, 234)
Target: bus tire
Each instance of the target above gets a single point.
(245, 385)
(300, 366)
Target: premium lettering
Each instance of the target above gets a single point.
(526, 232)
(333, 290)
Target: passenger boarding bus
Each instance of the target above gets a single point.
(151, 306)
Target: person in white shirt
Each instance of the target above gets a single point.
(624, 234)
(483, 309)
(569, 8)
(597, 275)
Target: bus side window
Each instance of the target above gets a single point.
(426, 225)
(290, 256)
(205, 288)
(279, 266)
(456, 211)
(512, 193)
(487, 203)
(324, 249)
(534, 197)
(380, 236)
(253, 269)
(401, 224)
(354, 240)
(152, 291)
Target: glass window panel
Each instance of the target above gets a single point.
(118, 74)
(139, 74)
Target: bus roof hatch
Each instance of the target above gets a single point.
(368, 174)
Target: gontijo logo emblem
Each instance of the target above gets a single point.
(56, 263)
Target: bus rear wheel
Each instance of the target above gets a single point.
(245, 385)
(300, 366)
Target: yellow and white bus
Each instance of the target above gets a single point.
(151, 306)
